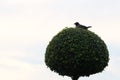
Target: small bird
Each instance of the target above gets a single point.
(81, 26)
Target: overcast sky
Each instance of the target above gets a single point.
(27, 26)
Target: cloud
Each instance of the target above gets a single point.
(18, 7)
(13, 69)
(28, 22)
(114, 65)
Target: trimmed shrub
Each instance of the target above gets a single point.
(76, 52)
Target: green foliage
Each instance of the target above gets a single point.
(76, 52)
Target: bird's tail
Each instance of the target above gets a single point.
(89, 26)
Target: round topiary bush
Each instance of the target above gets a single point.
(76, 52)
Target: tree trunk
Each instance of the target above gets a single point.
(75, 77)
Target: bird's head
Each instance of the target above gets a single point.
(76, 23)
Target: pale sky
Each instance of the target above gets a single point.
(27, 26)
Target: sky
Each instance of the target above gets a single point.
(27, 26)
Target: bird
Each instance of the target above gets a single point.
(81, 26)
